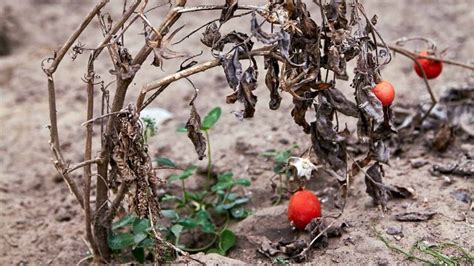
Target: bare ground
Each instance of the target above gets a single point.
(41, 224)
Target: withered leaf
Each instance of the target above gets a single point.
(228, 10)
(232, 69)
(328, 145)
(211, 35)
(375, 187)
(414, 216)
(272, 82)
(443, 137)
(262, 36)
(341, 103)
(299, 109)
(400, 192)
(317, 226)
(248, 83)
(237, 38)
(369, 104)
(194, 133)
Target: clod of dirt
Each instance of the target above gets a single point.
(64, 214)
(461, 195)
(5, 44)
(414, 216)
(417, 163)
(395, 231)
(465, 168)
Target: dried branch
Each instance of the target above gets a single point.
(63, 50)
(88, 155)
(161, 83)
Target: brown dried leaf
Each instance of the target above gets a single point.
(400, 192)
(375, 187)
(443, 137)
(299, 109)
(248, 83)
(414, 216)
(194, 133)
(232, 69)
(272, 82)
(262, 36)
(228, 10)
(329, 145)
(341, 103)
(211, 35)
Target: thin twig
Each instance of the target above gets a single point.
(63, 50)
(88, 156)
(158, 84)
(82, 164)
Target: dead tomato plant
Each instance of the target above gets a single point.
(302, 57)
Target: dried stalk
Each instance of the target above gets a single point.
(88, 156)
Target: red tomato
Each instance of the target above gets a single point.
(303, 207)
(385, 92)
(432, 68)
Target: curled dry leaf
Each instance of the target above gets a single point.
(327, 228)
(272, 82)
(414, 216)
(400, 192)
(247, 85)
(329, 145)
(341, 103)
(282, 249)
(211, 35)
(194, 133)
(301, 167)
(228, 10)
(375, 187)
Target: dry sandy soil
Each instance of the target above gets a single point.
(40, 222)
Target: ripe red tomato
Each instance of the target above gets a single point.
(385, 92)
(303, 207)
(432, 68)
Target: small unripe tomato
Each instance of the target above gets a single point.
(385, 92)
(303, 207)
(432, 68)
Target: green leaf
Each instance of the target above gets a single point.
(242, 182)
(124, 221)
(222, 185)
(176, 230)
(120, 241)
(224, 181)
(141, 225)
(137, 238)
(215, 250)
(163, 161)
(139, 254)
(226, 176)
(168, 197)
(181, 129)
(208, 228)
(188, 223)
(183, 175)
(239, 212)
(146, 243)
(170, 214)
(227, 240)
(211, 118)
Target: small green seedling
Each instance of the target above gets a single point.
(207, 123)
(208, 210)
(280, 163)
(150, 128)
(132, 234)
(433, 254)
